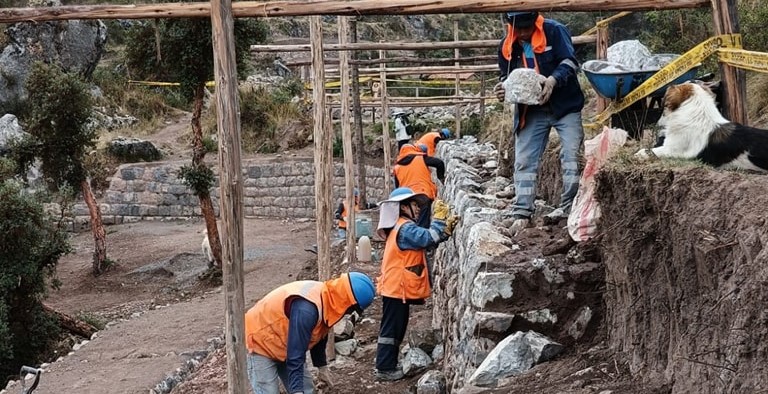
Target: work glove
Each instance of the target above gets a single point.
(324, 376)
(451, 223)
(546, 89)
(440, 210)
(498, 90)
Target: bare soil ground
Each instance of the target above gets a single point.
(161, 313)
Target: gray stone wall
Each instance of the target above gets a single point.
(151, 191)
(489, 285)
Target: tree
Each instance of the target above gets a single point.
(59, 107)
(31, 246)
(187, 57)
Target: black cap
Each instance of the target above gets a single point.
(521, 19)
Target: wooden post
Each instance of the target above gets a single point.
(346, 139)
(456, 55)
(482, 100)
(323, 152)
(231, 190)
(330, 346)
(359, 141)
(385, 127)
(725, 13)
(602, 54)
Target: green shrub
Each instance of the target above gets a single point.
(266, 113)
(92, 319)
(210, 144)
(31, 246)
(472, 125)
(199, 178)
(338, 146)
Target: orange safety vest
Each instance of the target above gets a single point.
(429, 140)
(342, 223)
(266, 323)
(416, 176)
(398, 279)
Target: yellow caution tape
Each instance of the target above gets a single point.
(672, 71)
(605, 22)
(153, 83)
(749, 60)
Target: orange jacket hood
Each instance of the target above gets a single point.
(538, 40)
(337, 298)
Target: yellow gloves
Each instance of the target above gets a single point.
(440, 210)
(451, 223)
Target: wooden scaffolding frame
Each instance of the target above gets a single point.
(222, 14)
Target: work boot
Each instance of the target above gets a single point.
(391, 375)
(555, 216)
(519, 224)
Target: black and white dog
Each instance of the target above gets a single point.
(693, 128)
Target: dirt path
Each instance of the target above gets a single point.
(151, 340)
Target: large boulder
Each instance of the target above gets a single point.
(75, 45)
(10, 131)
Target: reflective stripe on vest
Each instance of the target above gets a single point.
(416, 176)
(266, 323)
(396, 280)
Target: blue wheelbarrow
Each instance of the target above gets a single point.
(614, 83)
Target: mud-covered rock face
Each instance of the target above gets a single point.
(75, 45)
(685, 257)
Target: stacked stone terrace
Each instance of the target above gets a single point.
(152, 191)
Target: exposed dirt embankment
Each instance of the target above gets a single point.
(687, 276)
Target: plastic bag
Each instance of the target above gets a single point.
(582, 222)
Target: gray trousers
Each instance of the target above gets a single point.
(264, 374)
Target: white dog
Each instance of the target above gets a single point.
(693, 128)
(206, 245)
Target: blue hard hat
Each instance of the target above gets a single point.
(522, 19)
(356, 192)
(423, 147)
(362, 289)
(445, 133)
(400, 194)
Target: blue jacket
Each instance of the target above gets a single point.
(303, 317)
(557, 60)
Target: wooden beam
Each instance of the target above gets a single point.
(404, 103)
(457, 82)
(725, 14)
(231, 190)
(400, 59)
(602, 53)
(346, 140)
(399, 46)
(395, 100)
(385, 127)
(266, 9)
(358, 116)
(323, 135)
(393, 71)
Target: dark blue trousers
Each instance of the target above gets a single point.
(394, 322)
(425, 215)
